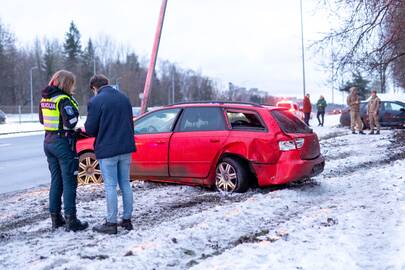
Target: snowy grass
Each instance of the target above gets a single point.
(350, 217)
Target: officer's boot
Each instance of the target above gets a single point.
(73, 224)
(57, 220)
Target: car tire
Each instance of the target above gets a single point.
(231, 176)
(89, 169)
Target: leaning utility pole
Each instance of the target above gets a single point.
(302, 51)
(151, 69)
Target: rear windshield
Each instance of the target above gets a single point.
(289, 123)
(284, 105)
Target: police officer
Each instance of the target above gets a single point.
(59, 114)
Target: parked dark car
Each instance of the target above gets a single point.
(392, 114)
(3, 117)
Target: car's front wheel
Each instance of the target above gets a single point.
(89, 169)
(231, 176)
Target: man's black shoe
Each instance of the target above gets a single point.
(353, 132)
(73, 224)
(361, 132)
(126, 224)
(107, 228)
(378, 132)
(57, 220)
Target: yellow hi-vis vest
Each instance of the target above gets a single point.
(51, 113)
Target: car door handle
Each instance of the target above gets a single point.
(160, 142)
(214, 140)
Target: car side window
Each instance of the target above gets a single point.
(202, 119)
(382, 106)
(395, 107)
(156, 122)
(244, 120)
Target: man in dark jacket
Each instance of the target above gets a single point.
(109, 119)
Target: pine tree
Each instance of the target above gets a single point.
(89, 59)
(357, 81)
(53, 59)
(72, 47)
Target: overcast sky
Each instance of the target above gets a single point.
(252, 43)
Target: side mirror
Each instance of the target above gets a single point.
(402, 109)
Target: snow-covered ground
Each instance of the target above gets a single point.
(352, 216)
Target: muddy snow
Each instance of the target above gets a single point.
(352, 216)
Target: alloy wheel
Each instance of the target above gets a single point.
(89, 170)
(226, 177)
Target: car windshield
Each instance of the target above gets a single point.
(289, 123)
(156, 122)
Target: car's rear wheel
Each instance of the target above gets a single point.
(231, 176)
(89, 169)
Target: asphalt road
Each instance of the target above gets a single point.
(22, 163)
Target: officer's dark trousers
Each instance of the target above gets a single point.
(63, 165)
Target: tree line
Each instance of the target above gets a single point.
(123, 66)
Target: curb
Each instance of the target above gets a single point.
(20, 132)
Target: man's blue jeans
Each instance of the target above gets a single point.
(116, 170)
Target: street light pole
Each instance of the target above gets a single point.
(117, 83)
(31, 96)
(94, 65)
(333, 73)
(302, 49)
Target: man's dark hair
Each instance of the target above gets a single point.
(98, 81)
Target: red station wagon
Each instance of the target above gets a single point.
(229, 145)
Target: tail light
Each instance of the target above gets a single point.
(291, 144)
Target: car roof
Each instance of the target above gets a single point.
(224, 104)
(286, 102)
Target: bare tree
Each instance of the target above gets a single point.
(368, 37)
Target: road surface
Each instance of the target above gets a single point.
(22, 163)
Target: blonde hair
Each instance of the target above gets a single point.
(352, 89)
(64, 80)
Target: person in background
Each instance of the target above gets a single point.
(373, 112)
(109, 119)
(353, 101)
(321, 106)
(307, 109)
(59, 112)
